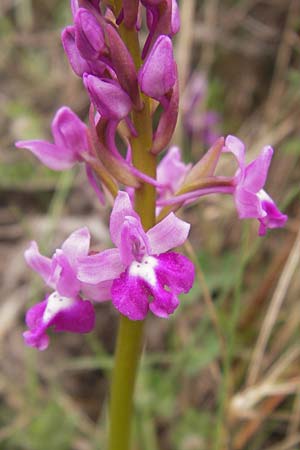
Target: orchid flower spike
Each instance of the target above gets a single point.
(251, 199)
(70, 142)
(141, 266)
(64, 309)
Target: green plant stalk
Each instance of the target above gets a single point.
(130, 335)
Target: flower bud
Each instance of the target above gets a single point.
(89, 35)
(158, 74)
(108, 97)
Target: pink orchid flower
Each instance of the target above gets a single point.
(141, 266)
(64, 309)
(251, 199)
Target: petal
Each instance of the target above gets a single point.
(274, 217)
(122, 208)
(256, 172)
(77, 245)
(98, 292)
(35, 336)
(65, 314)
(237, 148)
(130, 296)
(103, 266)
(39, 263)
(67, 284)
(134, 242)
(164, 303)
(175, 271)
(77, 318)
(158, 74)
(77, 62)
(54, 157)
(169, 233)
(69, 132)
(248, 204)
(111, 101)
(171, 170)
(89, 35)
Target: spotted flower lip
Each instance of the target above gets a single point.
(65, 308)
(251, 199)
(70, 141)
(141, 265)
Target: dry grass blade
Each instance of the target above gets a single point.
(273, 310)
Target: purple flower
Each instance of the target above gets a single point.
(64, 309)
(140, 267)
(70, 142)
(250, 198)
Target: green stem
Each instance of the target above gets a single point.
(128, 351)
(130, 335)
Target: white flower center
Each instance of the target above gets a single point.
(55, 304)
(144, 269)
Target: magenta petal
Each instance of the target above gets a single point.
(78, 318)
(35, 336)
(77, 245)
(122, 208)
(176, 271)
(273, 218)
(164, 303)
(54, 157)
(256, 172)
(130, 296)
(39, 263)
(103, 266)
(69, 132)
(167, 234)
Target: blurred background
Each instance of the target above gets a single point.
(223, 372)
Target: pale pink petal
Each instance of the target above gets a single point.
(236, 147)
(248, 204)
(122, 208)
(256, 172)
(167, 234)
(103, 266)
(77, 245)
(54, 157)
(67, 283)
(39, 263)
(100, 292)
